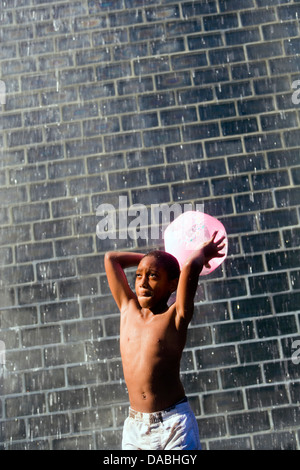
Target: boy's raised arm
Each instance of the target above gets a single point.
(115, 263)
(188, 280)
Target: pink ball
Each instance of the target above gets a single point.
(188, 232)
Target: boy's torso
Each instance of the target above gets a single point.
(151, 349)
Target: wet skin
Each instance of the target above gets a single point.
(153, 334)
(151, 343)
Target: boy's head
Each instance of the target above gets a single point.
(166, 261)
(156, 278)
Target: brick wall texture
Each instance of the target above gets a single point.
(158, 101)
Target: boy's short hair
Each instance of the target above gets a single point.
(168, 261)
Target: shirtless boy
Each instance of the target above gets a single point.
(152, 339)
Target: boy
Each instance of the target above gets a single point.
(152, 339)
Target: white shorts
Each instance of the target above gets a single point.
(175, 428)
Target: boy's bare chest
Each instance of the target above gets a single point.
(152, 336)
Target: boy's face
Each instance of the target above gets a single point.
(152, 284)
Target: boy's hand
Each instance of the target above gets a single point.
(191, 269)
(211, 249)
